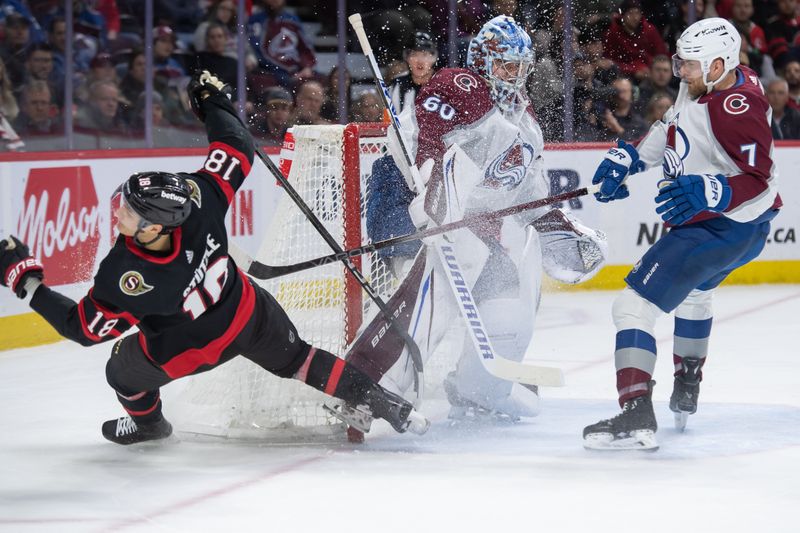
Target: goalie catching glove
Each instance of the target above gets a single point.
(204, 85)
(571, 252)
(20, 271)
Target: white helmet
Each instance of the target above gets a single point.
(706, 40)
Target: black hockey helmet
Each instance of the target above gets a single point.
(159, 198)
(423, 42)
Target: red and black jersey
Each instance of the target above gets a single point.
(189, 304)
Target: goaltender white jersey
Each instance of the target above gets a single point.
(455, 107)
(724, 132)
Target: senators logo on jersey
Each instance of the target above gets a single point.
(132, 283)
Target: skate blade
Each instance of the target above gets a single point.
(643, 440)
(360, 420)
(681, 418)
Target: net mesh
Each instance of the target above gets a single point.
(330, 170)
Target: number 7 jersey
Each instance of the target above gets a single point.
(189, 304)
(723, 132)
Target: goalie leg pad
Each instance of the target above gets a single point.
(510, 326)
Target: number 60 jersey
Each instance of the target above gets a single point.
(190, 303)
(723, 132)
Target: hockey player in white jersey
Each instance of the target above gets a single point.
(718, 194)
(483, 111)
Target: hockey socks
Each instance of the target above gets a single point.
(144, 407)
(335, 377)
(635, 358)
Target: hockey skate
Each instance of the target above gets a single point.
(380, 403)
(518, 401)
(126, 431)
(633, 429)
(685, 391)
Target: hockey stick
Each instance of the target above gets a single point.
(261, 271)
(494, 363)
(416, 356)
(358, 27)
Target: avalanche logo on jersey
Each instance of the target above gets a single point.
(509, 168)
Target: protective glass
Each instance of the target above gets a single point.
(686, 68)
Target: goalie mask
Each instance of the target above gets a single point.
(502, 54)
(703, 42)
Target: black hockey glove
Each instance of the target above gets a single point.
(17, 265)
(203, 85)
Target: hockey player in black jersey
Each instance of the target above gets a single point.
(169, 274)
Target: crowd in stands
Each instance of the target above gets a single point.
(622, 73)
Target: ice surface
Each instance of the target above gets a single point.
(736, 469)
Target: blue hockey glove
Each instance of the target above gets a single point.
(617, 164)
(685, 197)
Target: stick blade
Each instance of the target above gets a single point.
(544, 376)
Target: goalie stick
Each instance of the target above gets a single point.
(262, 271)
(358, 27)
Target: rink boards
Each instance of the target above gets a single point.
(59, 203)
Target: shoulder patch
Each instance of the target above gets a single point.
(735, 104)
(132, 283)
(196, 196)
(466, 82)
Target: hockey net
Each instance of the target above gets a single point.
(330, 170)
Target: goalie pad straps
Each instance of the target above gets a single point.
(334, 376)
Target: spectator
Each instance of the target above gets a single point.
(421, 58)
(754, 42)
(658, 104)
(785, 120)
(657, 82)
(272, 121)
(165, 67)
(619, 120)
(394, 70)
(679, 23)
(132, 85)
(14, 51)
(219, 12)
(471, 14)
(781, 32)
(39, 66)
(102, 112)
(368, 107)
(330, 109)
(101, 68)
(9, 140)
(632, 42)
(39, 115)
(8, 103)
(605, 70)
(308, 104)
(138, 115)
(546, 89)
(791, 73)
(280, 45)
(586, 90)
(213, 57)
